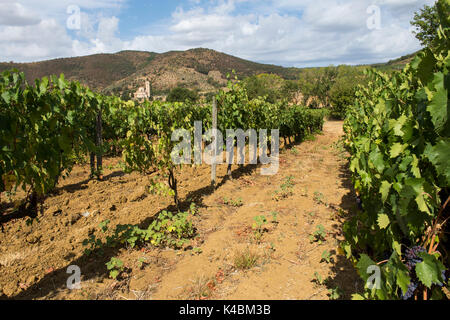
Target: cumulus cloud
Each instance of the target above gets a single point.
(299, 33)
(286, 32)
(15, 14)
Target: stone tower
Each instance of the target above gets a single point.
(147, 88)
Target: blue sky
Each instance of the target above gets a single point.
(139, 14)
(297, 33)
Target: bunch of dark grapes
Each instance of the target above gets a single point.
(412, 258)
(443, 278)
(411, 289)
(359, 202)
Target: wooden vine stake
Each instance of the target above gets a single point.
(99, 145)
(214, 127)
(99, 132)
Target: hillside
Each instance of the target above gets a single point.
(396, 64)
(97, 71)
(202, 69)
(124, 72)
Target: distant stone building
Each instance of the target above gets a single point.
(143, 93)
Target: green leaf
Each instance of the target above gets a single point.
(397, 149)
(429, 271)
(6, 96)
(384, 190)
(383, 221)
(397, 247)
(415, 167)
(377, 160)
(43, 85)
(114, 273)
(420, 200)
(419, 193)
(357, 296)
(397, 125)
(438, 107)
(439, 156)
(363, 264)
(403, 279)
(426, 66)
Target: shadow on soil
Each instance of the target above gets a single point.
(93, 266)
(346, 278)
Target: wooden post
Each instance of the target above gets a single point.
(214, 127)
(92, 162)
(99, 129)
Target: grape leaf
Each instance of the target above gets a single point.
(429, 271)
(397, 125)
(377, 160)
(384, 190)
(438, 109)
(363, 264)
(6, 96)
(397, 149)
(426, 66)
(439, 156)
(383, 221)
(357, 296)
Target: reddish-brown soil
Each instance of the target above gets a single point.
(34, 258)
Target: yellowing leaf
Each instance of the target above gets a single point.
(397, 149)
(383, 221)
(384, 190)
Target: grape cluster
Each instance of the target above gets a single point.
(359, 202)
(443, 278)
(412, 258)
(411, 289)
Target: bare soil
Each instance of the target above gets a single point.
(34, 258)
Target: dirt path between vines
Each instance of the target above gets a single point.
(287, 264)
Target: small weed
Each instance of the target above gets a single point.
(318, 235)
(166, 230)
(258, 227)
(274, 216)
(197, 251)
(142, 262)
(246, 260)
(115, 267)
(318, 278)
(338, 214)
(233, 203)
(326, 256)
(202, 288)
(335, 293)
(285, 190)
(319, 198)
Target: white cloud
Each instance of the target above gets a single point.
(44, 40)
(15, 14)
(287, 32)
